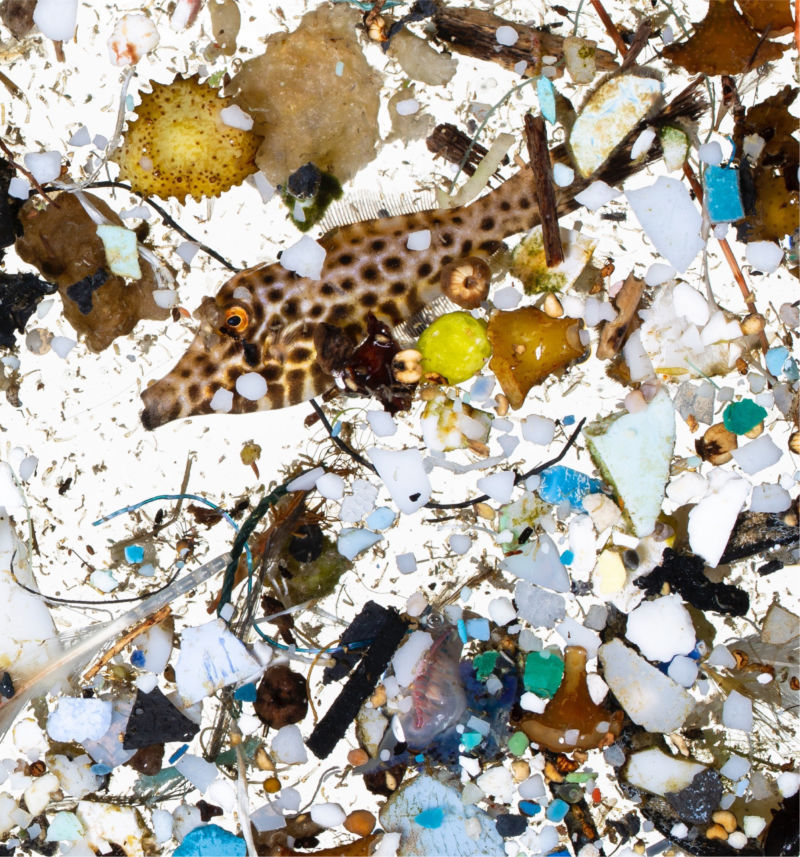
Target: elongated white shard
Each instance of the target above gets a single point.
(633, 452)
(659, 773)
(712, 519)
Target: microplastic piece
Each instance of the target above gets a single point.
(559, 483)
(211, 839)
(723, 197)
(121, 251)
(154, 720)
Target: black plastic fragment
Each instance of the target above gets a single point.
(331, 728)
(6, 686)
(783, 833)
(19, 295)
(509, 824)
(684, 574)
(304, 182)
(699, 800)
(757, 532)
(10, 227)
(363, 628)
(307, 542)
(155, 720)
(770, 567)
(81, 292)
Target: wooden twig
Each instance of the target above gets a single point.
(542, 169)
(611, 29)
(474, 32)
(452, 144)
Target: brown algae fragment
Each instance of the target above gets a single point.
(723, 43)
(771, 17)
(62, 243)
(181, 146)
(571, 720)
(527, 346)
(334, 123)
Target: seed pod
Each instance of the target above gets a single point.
(716, 444)
(466, 281)
(794, 442)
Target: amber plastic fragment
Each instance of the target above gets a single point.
(527, 346)
(62, 242)
(723, 43)
(572, 710)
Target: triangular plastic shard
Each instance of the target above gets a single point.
(633, 452)
(155, 720)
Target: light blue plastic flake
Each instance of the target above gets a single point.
(337, 427)
(129, 102)
(547, 99)
(339, 68)
(723, 198)
(431, 818)
(568, 420)
(561, 483)
(567, 557)
(147, 570)
(382, 518)
(178, 753)
(419, 758)
(556, 810)
(211, 840)
(64, 827)
(470, 740)
(478, 629)
(462, 631)
(353, 540)
(245, 693)
(775, 358)
(101, 770)
(134, 553)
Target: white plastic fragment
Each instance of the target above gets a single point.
(770, 498)
(661, 628)
(406, 658)
(501, 610)
(670, 219)
(306, 481)
(735, 768)
(251, 386)
(499, 486)
(404, 475)
(288, 746)
(721, 657)
(187, 250)
(539, 561)
(407, 107)
(134, 36)
(121, 251)
(77, 719)
(788, 783)
(506, 298)
(459, 543)
(353, 541)
(757, 455)
(44, 166)
(737, 712)
(420, 240)
(330, 486)
(382, 423)
(305, 258)
(597, 195)
(683, 670)
(327, 814)
(197, 770)
(235, 117)
(764, 256)
(37, 795)
(780, 625)
(506, 36)
(563, 175)
(690, 304)
(658, 273)
(80, 137)
(540, 430)
(56, 18)
(712, 519)
(165, 298)
(222, 401)
(406, 563)
(659, 773)
(642, 144)
(710, 153)
(62, 345)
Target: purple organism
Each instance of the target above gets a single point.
(437, 694)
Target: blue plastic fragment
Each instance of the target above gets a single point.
(430, 818)
(101, 770)
(547, 99)
(211, 840)
(419, 758)
(381, 518)
(529, 807)
(567, 557)
(478, 629)
(568, 420)
(470, 740)
(245, 693)
(775, 358)
(462, 631)
(723, 198)
(178, 753)
(561, 483)
(556, 810)
(337, 427)
(134, 553)
(138, 658)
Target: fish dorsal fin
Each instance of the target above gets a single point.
(370, 205)
(408, 332)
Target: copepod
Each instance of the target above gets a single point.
(437, 695)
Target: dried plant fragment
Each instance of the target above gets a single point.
(333, 123)
(723, 43)
(62, 243)
(527, 346)
(180, 144)
(614, 334)
(773, 17)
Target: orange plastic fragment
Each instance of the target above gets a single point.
(723, 43)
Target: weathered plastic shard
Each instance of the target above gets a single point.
(670, 219)
(658, 773)
(612, 111)
(650, 698)
(712, 519)
(425, 793)
(538, 560)
(723, 197)
(529, 264)
(633, 452)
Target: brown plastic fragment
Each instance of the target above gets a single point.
(527, 346)
(542, 169)
(473, 32)
(62, 243)
(572, 708)
(614, 334)
(723, 43)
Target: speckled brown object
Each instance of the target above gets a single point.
(61, 242)
(282, 697)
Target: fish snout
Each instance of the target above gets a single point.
(161, 405)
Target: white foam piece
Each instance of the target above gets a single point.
(459, 543)
(133, 37)
(735, 768)
(507, 298)
(331, 486)
(563, 175)
(327, 814)
(597, 195)
(659, 273)
(403, 473)
(251, 386)
(222, 401)
(643, 143)
(382, 423)
(737, 712)
(78, 719)
(770, 498)
(56, 19)
(499, 486)
(670, 219)
(406, 658)
(660, 774)
(197, 770)
(501, 610)
(710, 153)
(757, 455)
(288, 745)
(506, 36)
(406, 563)
(407, 107)
(19, 188)
(187, 250)
(360, 502)
(420, 240)
(788, 783)
(661, 628)
(235, 117)
(690, 304)
(540, 430)
(765, 256)
(44, 166)
(712, 519)
(305, 258)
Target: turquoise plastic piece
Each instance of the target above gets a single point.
(556, 810)
(211, 840)
(723, 198)
(430, 818)
(134, 553)
(559, 483)
(547, 99)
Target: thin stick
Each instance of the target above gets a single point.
(542, 169)
(610, 27)
(123, 641)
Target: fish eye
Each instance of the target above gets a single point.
(434, 620)
(237, 319)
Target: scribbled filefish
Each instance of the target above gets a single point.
(263, 319)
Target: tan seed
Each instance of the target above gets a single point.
(361, 822)
(552, 306)
(466, 282)
(485, 511)
(263, 761)
(725, 818)
(272, 785)
(502, 404)
(753, 323)
(716, 831)
(520, 770)
(357, 757)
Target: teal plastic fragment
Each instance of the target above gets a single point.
(529, 807)
(134, 553)
(211, 840)
(64, 827)
(462, 631)
(556, 810)
(741, 417)
(518, 743)
(559, 483)
(246, 693)
(484, 664)
(543, 673)
(723, 197)
(470, 740)
(547, 99)
(431, 818)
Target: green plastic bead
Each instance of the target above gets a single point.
(484, 664)
(455, 346)
(741, 417)
(518, 743)
(543, 673)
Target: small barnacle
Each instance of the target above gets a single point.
(180, 144)
(466, 281)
